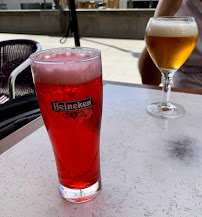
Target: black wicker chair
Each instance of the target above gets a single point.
(18, 102)
(15, 73)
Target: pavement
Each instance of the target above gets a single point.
(119, 56)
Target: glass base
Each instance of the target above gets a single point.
(161, 111)
(80, 195)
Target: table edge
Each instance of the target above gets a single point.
(26, 130)
(192, 91)
(20, 134)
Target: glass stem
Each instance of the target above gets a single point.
(167, 83)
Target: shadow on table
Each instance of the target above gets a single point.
(134, 54)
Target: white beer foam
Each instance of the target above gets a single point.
(173, 28)
(66, 66)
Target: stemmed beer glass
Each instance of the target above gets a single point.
(169, 41)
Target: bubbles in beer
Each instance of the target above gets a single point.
(47, 56)
(172, 28)
(67, 66)
(65, 55)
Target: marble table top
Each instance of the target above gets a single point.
(150, 167)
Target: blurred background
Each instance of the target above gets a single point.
(87, 4)
(116, 27)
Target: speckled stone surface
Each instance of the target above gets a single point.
(150, 166)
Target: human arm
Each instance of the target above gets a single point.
(148, 71)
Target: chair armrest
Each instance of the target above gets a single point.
(17, 71)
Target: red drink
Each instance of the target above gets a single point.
(74, 135)
(70, 99)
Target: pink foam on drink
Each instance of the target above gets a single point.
(66, 66)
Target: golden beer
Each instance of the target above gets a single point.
(170, 52)
(169, 41)
(170, 45)
(110, 4)
(87, 4)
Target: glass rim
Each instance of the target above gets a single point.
(173, 18)
(34, 59)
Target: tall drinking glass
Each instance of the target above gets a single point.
(68, 83)
(169, 41)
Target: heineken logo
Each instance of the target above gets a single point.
(72, 106)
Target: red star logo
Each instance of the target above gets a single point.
(72, 93)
